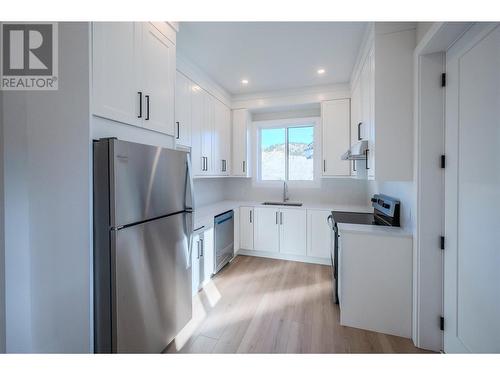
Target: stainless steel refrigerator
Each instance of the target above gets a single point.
(143, 200)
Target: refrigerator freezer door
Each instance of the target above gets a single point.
(152, 283)
(146, 182)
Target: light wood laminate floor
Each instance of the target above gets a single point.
(259, 305)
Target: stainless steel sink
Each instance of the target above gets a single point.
(294, 204)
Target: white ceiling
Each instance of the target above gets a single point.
(272, 55)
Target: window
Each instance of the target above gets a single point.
(287, 153)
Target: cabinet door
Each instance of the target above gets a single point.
(293, 231)
(240, 165)
(195, 263)
(336, 138)
(318, 234)
(115, 71)
(246, 228)
(198, 117)
(356, 122)
(227, 141)
(219, 139)
(158, 77)
(207, 255)
(208, 134)
(183, 88)
(266, 233)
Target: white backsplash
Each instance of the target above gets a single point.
(335, 191)
(402, 190)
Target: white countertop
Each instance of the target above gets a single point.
(373, 230)
(205, 213)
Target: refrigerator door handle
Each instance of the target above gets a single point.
(189, 188)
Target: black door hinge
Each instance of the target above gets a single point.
(443, 80)
(443, 161)
(442, 242)
(441, 323)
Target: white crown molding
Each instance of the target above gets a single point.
(198, 76)
(292, 97)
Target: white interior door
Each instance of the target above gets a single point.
(472, 202)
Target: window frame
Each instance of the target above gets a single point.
(286, 123)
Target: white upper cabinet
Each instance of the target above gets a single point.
(384, 103)
(222, 139)
(115, 84)
(133, 75)
(292, 231)
(241, 143)
(201, 134)
(335, 125)
(183, 93)
(158, 80)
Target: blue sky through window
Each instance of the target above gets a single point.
(277, 136)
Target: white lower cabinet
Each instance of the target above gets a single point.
(286, 233)
(202, 255)
(246, 228)
(266, 229)
(318, 234)
(292, 231)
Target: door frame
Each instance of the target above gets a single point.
(429, 127)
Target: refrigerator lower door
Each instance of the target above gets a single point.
(152, 283)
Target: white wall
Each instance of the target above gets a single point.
(422, 28)
(209, 190)
(47, 207)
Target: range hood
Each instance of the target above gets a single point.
(356, 152)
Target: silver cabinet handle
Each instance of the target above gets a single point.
(276, 217)
(244, 166)
(198, 248)
(202, 247)
(281, 218)
(324, 165)
(250, 216)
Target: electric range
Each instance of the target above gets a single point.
(386, 212)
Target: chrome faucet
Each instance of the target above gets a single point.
(285, 192)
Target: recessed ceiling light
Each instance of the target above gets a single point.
(244, 81)
(321, 71)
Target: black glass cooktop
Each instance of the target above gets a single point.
(354, 217)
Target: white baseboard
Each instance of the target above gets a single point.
(294, 258)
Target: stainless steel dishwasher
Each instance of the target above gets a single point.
(224, 239)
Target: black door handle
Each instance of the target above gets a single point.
(147, 107)
(140, 104)
(178, 130)
(359, 131)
